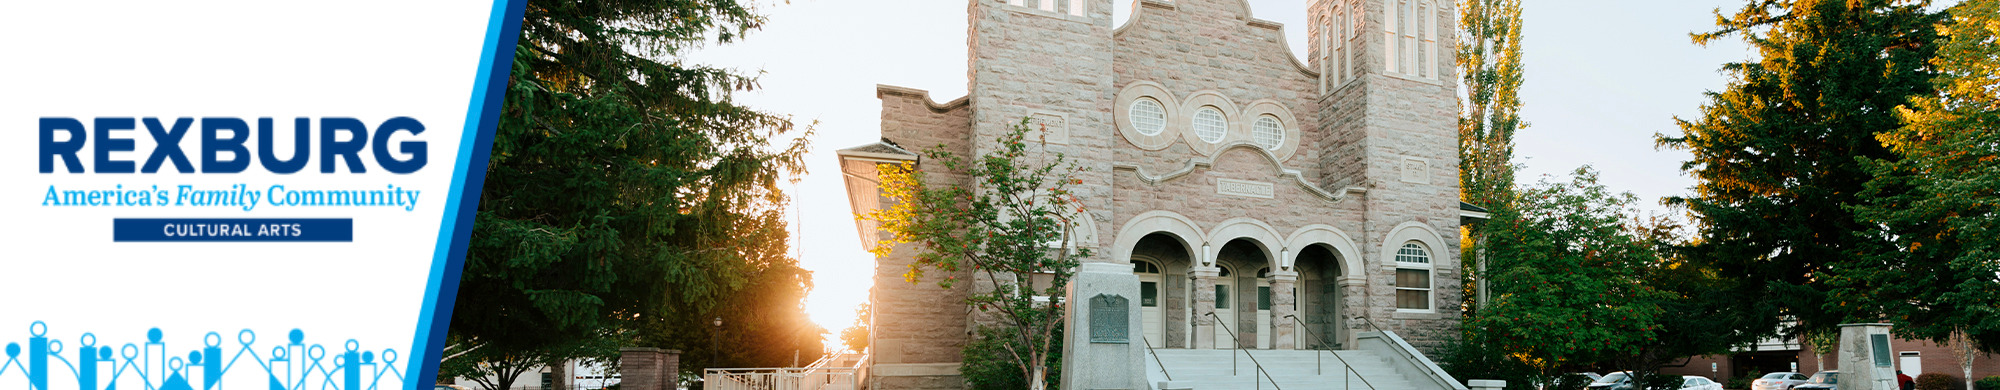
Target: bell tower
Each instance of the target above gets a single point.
(1389, 109)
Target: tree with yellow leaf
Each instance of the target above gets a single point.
(1940, 202)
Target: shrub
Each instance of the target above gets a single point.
(1990, 383)
(1742, 382)
(1937, 381)
(988, 366)
(1469, 359)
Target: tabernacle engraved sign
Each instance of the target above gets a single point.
(1254, 189)
(1108, 323)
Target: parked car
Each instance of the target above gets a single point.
(1621, 380)
(448, 386)
(1691, 382)
(1823, 380)
(1778, 381)
(1586, 377)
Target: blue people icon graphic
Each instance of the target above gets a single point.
(294, 365)
(174, 380)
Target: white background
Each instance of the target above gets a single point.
(370, 60)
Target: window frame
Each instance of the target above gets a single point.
(1428, 266)
(1133, 117)
(1195, 120)
(1257, 134)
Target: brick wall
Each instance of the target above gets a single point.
(1942, 359)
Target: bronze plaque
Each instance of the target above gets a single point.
(1108, 321)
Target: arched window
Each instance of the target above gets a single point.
(1222, 291)
(1413, 277)
(1423, 41)
(1144, 267)
(1149, 291)
(1336, 31)
(1264, 292)
(1326, 54)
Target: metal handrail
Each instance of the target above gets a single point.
(1239, 346)
(1371, 324)
(1156, 358)
(1336, 356)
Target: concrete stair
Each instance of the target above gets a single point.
(1213, 369)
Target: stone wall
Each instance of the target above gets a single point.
(1056, 66)
(1213, 46)
(918, 327)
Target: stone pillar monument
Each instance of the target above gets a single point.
(649, 368)
(1101, 349)
(1866, 360)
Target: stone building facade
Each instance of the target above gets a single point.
(1296, 203)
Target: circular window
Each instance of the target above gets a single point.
(1148, 116)
(1268, 132)
(1210, 125)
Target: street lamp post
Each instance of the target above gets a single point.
(714, 346)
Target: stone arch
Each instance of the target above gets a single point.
(1170, 223)
(1252, 230)
(1319, 234)
(1411, 231)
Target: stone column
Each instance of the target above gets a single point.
(1866, 360)
(1283, 306)
(1204, 305)
(649, 368)
(1101, 347)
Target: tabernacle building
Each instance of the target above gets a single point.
(1306, 206)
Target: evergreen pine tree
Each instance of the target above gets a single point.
(1776, 154)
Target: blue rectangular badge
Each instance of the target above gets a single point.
(232, 230)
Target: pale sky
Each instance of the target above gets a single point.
(1602, 78)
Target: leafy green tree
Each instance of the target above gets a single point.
(1690, 295)
(1776, 154)
(628, 200)
(1568, 280)
(1938, 200)
(1489, 60)
(1007, 222)
(855, 338)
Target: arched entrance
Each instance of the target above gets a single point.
(1242, 295)
(1159, 259)
(1319, 299)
